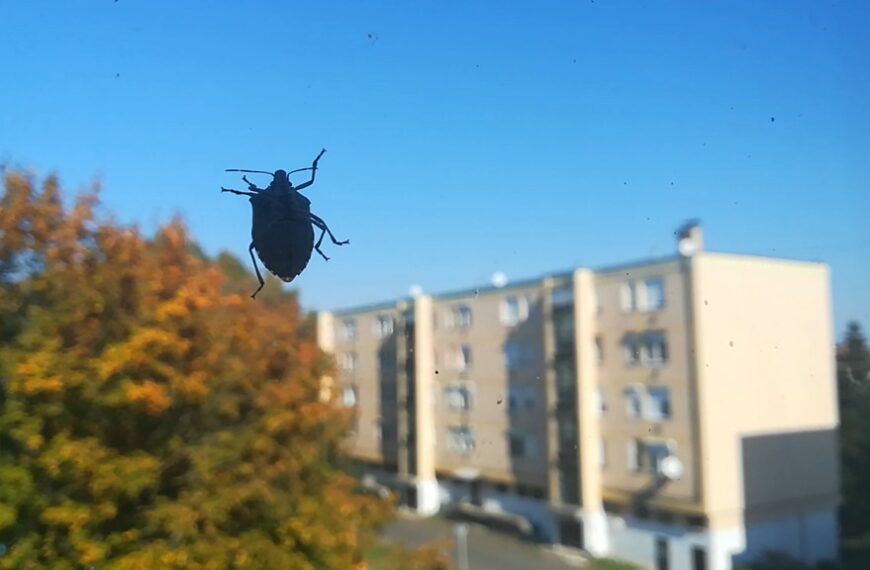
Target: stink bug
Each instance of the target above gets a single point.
(282, 231)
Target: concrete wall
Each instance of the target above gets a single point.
(766, 366)
(615, 376)
(490, 417)
(373, 410)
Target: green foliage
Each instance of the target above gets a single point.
(151, 414)
(853, 380)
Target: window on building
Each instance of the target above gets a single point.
(635, 455)
(602, 453)
(383, 326)
(600, 402)
(647, 456)
(461, 439)
(378, 430)
(628, 297)
(513, 400)
(655, 347)
(566, 425)
(563, 324)
(463, 357)
(521, 398)
(699, 558)
(513, 310)
(389, 393)
(408, 317)
(517, 354)
(349, 362)
(653, 454)
(386, 360)
(389, 432)
(599, 349)
(564, 375)
(459, 396)
(348, 395)
(348, 329)
(522, 445)
(462, 316)
(658, 404)
(654, 293)
(562, 296)
(631, 349)
(517, 444)
(633, 402)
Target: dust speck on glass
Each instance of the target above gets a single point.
(605, 301)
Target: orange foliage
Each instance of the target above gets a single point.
(151, 415)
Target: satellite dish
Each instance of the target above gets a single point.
(499, 279)
(415, 291)
(671, 468)
(686, 247)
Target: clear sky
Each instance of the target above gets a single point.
(463, 137)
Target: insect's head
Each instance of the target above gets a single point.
(280, 180)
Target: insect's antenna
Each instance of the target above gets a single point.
(300, 170)
(243, 170)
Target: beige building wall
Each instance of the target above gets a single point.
(616, 377)
(490, 417)
(752, 397)
(366, 441)
(766, 368)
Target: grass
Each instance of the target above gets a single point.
(396, 557)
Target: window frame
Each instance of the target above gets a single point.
(465, 390)
(354, 390)
(379, 329)
(349, 329)
(659, 284)
(632, 349)
(654, 411)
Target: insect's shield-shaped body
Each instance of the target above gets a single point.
(281, 230)
(283, 226)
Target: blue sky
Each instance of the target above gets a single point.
(463, 138)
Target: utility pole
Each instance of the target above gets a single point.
(462, 546)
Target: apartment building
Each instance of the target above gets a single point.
(679, 413)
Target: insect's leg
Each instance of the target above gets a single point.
(317, 221)
(256, 270)
(239, 192)
(313, 172)
(319, 241)
(251, 185)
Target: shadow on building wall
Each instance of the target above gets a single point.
(388, 402)
(790, 485)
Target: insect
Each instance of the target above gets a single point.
(282, 231)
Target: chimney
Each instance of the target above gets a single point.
(690, 238)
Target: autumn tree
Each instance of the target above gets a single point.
(151, 414)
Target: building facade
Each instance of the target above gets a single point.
(677, 413)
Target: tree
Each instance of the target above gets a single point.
(853, 380)
(151, 414)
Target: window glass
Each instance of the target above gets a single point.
(348, 329)
(631, 349)
(654, 289)
(633, 403)
(383, 326)
(349, 396)
(659, 403)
